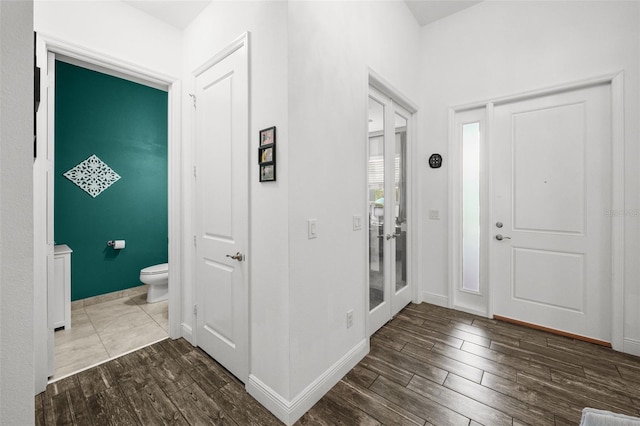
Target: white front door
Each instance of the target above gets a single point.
(550, 234)
(221, 210)
(390, 288)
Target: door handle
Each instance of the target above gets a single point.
(238, 256)
(499, 237)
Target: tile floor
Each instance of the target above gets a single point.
(106, 330)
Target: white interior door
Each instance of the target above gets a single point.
(551, 243)
(221, 210)
(390, 288)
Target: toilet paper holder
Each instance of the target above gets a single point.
(116, 244)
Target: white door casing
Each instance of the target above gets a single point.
(551, 166)
(221, 207)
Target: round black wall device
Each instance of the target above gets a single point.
(435, 161)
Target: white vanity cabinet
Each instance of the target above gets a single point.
(60, 294)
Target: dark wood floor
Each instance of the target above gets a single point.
(429, 365)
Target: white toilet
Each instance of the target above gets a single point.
(157, 278)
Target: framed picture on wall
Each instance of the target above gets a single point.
(268, 136)
(267, 154)
(267, 173)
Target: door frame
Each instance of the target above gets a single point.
(616, 83)
(46, 45)
(378, 83)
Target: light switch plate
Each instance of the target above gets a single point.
(434, 214)
(312, 228)
(357, 222)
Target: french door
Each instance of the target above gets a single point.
(389, 287)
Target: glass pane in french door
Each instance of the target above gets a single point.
(375, 182)
(400, 204)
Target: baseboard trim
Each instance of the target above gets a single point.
(471, 311)
(631, 346)
(553, 331)
(187, 333)
(290, 411)
(435, 299)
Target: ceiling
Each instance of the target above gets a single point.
(428, 11)
(180, 13)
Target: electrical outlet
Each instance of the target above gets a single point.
(350, 318)
(434, 214)
(357, 222)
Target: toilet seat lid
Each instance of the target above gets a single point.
(162, 268)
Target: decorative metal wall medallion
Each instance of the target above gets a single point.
(92, 176)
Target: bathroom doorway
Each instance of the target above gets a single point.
(116, 317)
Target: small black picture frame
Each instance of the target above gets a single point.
(267, 154)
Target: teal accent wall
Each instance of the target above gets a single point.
(125, 125)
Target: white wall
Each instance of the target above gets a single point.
(112, 29)
(268, 255)
(16, 213)
(331, 46)
(500, 48)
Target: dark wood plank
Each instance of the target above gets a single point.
(360, 377)
(164, 369)
(151, 405)
(331, 411)
(508, 405)
(387, 369)
(532, 397)
(244, 410)
(462, 404)
(377, 407)
(421, 333)
(570, 395)
(442, 364)
(414, 364)
(39, 405)
(78, 403)
(444, 313)
(513, 331)
(62, 414)
(110, 407)
(394, 333)
(476, 361)
(529, 366)
(571, 368)
(586, 388)
(569, 358)
(484, 332)
(62, 385)
(95, 380)
(417, 404)
(198, 408)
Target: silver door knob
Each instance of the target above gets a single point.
(499, 237)
(238, 256)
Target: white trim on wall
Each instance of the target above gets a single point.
(133, 72)
(290, 411)
(616, 83)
